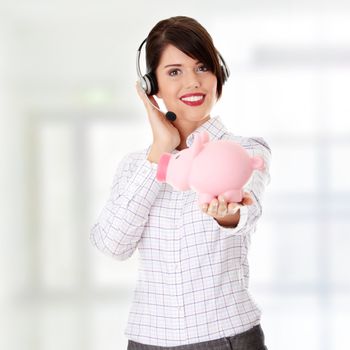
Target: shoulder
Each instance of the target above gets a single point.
(136, 156)
(130, 161)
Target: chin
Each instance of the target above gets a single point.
(195, 113)
(197, 116)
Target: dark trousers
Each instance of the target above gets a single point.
(253, 339)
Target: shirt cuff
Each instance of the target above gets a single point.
(153, 165)
(238, 230)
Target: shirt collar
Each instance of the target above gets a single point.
(214, 126)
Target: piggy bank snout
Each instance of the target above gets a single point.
(163, 167)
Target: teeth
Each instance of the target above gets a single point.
(192, 98)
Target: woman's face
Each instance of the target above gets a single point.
(186, 86)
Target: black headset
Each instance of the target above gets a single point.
(149, 82)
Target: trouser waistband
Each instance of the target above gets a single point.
(253, 339)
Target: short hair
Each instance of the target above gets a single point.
(190, 37)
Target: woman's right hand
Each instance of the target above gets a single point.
(165, 135)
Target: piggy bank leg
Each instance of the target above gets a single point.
(233, 196)
(205, 198)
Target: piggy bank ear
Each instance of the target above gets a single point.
(199, 141)
(257, 163)
(204, 135)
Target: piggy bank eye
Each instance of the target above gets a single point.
(177, 156)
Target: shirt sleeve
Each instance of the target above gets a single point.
(122, 220)
(250, 214)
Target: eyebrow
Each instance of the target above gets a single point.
(173, 65)
(177, 65)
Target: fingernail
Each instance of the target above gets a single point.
(233, 210)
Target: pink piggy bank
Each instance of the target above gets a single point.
(211, 168)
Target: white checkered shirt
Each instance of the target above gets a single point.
(193, 273)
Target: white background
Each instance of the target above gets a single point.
(69, 112)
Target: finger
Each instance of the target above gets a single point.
(213, 207)
(139, 89)
(141, 92)
(233, 208)
(222, 208)
(205, 207)
(247, 199)
(148, 101)
(154, 102)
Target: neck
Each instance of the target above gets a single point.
(186, 128)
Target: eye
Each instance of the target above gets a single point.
(202, 68)
(177, 156)
(174, 72)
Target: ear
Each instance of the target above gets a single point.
(204, 135)
(257, 163)
(196, 145)
(199, 141)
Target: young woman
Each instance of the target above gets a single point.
(192, 291)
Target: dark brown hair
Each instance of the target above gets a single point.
(187, 35)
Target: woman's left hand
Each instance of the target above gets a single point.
(219, 208)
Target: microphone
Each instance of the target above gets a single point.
(171, 116)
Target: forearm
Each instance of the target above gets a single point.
(122, 220)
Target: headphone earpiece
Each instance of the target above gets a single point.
(149, 84)
(145, 84)
(225, 72)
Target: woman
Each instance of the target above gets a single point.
(192, 291)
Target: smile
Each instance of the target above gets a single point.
(193, 99)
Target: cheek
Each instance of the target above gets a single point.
(166, 90)
(213, 83)
(162, 86)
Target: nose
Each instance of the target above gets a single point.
(192, 80)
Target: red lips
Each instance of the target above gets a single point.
(193, 99)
